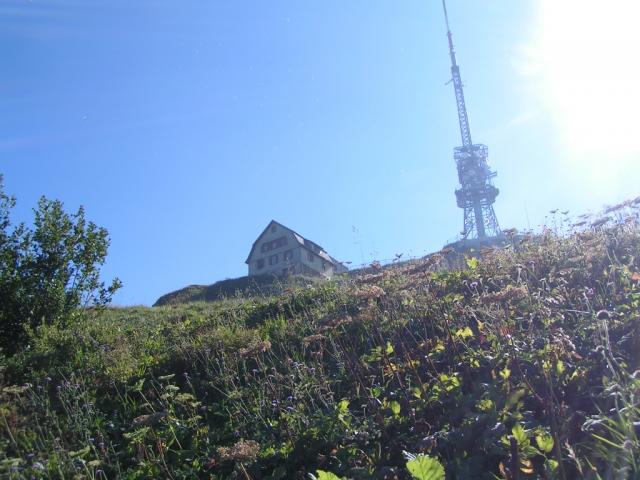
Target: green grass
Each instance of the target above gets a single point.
(523, 364)
(243, 287)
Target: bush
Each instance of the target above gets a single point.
(48, 271)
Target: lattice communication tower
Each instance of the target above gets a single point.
(476, 194)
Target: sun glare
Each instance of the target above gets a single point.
(587, 55)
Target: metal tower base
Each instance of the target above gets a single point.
(476, 194)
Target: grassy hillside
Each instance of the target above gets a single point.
(261, 286)
(522, 365)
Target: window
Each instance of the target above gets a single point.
(288, 255)
(260, 263)
(310, 257)
(273, 259)
(273, 228)
(277, 243)
(324, 265)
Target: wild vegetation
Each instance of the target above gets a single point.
(523, 364)
(48, 271)
(260, 285)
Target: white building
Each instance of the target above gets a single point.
(281, 251)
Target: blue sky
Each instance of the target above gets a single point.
(183, 127)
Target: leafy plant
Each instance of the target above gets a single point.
(423, 467)
(322, 475)
(49, 271)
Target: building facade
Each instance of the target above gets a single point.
(279, 250)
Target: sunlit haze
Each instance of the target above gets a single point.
(585, 56)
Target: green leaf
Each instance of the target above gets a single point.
(395, 407)
(485, 405)
(450, 382)
(514, 398)
(80, 453)
(343, 411)
(519, 434)
(472, 263)
(389, 348)
(322, 475)
(376, 392)
(343, 406)
(423, 467)
(545, 442)
(138, 386)
(376, 353)
(550, 465)
(465, 332)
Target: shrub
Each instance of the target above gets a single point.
(48, 271)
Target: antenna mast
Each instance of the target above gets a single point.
(476, 194)
(463, 118)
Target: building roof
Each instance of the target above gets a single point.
(303, 242)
